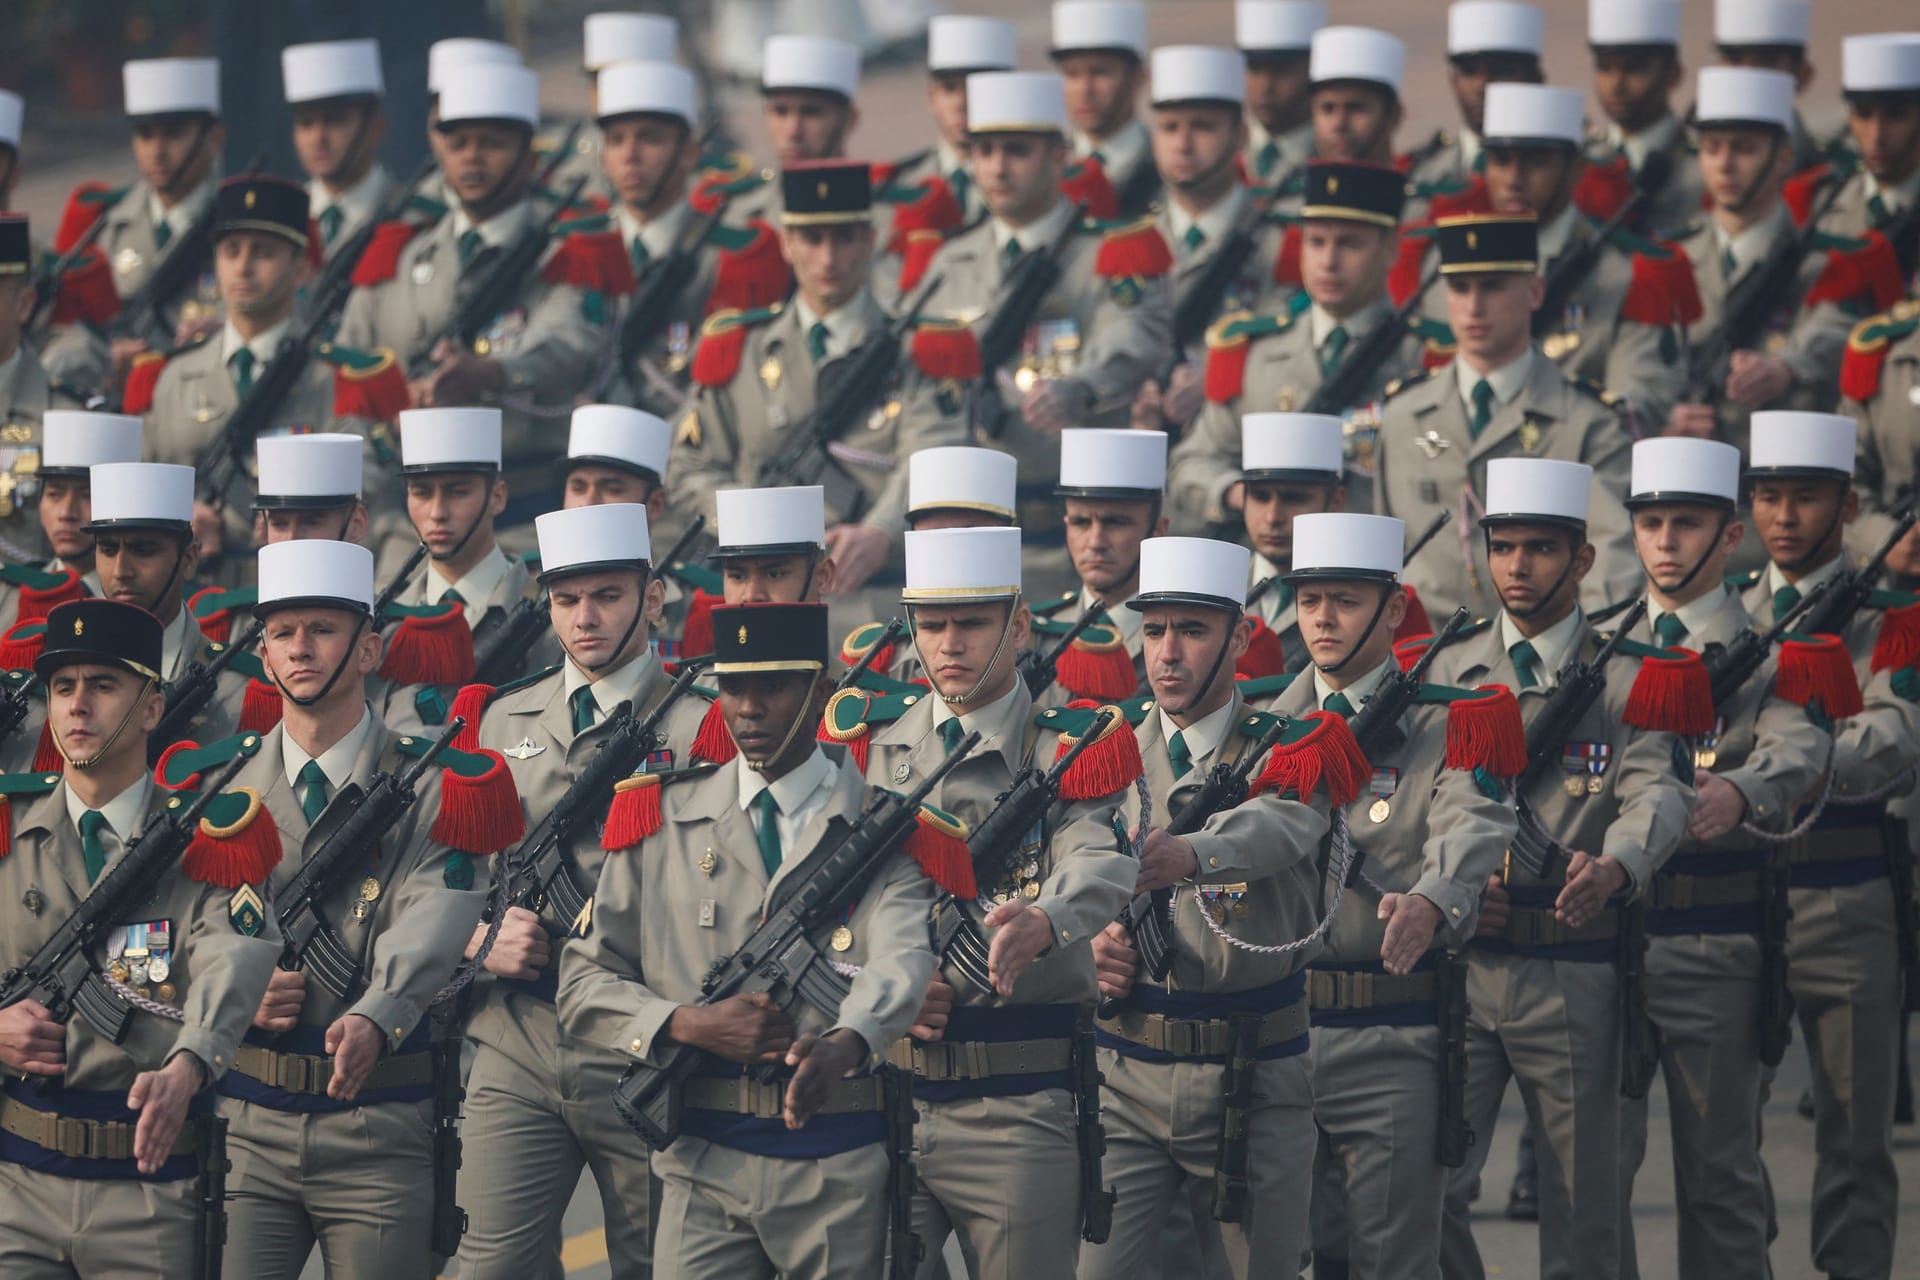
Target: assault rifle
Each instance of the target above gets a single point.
(1199, 303)
(1397, 690)
(144, 314)
(1025, 287)
(1850, 590)
(46, 281)
(1571, 269)
(1730, 666)
(892, 632)
(1366, 358)
(1037, 670)
(186, 697)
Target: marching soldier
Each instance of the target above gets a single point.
(1234, 999)
(536, 1101)
(324, 1074)
(606, 41)
(335, 90)
(771, 550)
(763, 374)
(1880, 383)
(809, 88)
(1844, 946)
(1611, 305)
(1341, 324)
(793, 1176)
(1500, 398)
(63, 506)
(1489, 42)
(932, 190)
(1743, 118)
(1881, 81)
(1636, 69)
(445, 59)
(1707, 980)
(1543, 991)
(1357, 107)
(1275, 36)
(541, 348)
(998, 1152)
(1430, 827)
(26, 394)
(616, 454)
(105, 1139)
(1290, 466)
(1771, 35)
(1100, 47)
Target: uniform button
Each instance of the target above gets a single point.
(1066, 935)
(1213, 862)
(636, 1047)
(399, 1033)
(1456, 911)
(219, 1061)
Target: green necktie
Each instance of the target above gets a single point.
(313, 800)
(1096, 156)
(817, 341)
(162, 232)
(1178, 755)
(1269, 155)
(452, 596)
(960, 184)
(330, 219)
(769, 830)
(1482, 408)
(470, 245)
(1670, 630)
(951, 731)
(1877, 210)
(1525, 659)
(1338, 702)
(1010, 254)
(1336, 346)
(583, 708)
(242, 363)
(1728, 265)
(1783, 601)
(641, 255)
(90, 846)
(1195, 236)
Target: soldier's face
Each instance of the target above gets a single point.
(336, 141)
(1353, 122)
(257, 273)
(768, 579)
(1343, 264)
(338, 524)
(1018, 173)
(947, 102)
(1685, 544)
(589, 485)
(1800, 522)
(1472, 73)
(1269, 509)
(1888, 135)
(446, 507)
(830, 263)
(1334, 617)
(806, 125)
(145, 567)
(1277, 87)
(958, 642)
(1104, 537)
(86, 704)
(1633, 85)
(487, 165)
(1194, 147)
(647, 159)
(66, 505)
(1182, 647)
(1537, 568)
(1492, 314)
(761, 709)
(171, 154)
(1530, 179)
(1743, 168)
(1101, 88)
(303, 648)
(594, 616)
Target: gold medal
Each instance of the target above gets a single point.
(1379, 810)
(1574, 786)
(708, 862)
(842, 939)
(1705, 758)
(166, 993)
(1594, 785)
(1240, 909)
(369, 890)
(117, 970)
(1030, 890)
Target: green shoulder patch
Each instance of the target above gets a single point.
(732, 318)
(1741, 581)
(27, 784)
(457, 873)
(1074, 720)
(25, 575)
(531, 678)
(468, 764)
(1438, 333)
(1255, 725)
(207, 604)
(1407, 383)
(731, 239)
(852, 713)
(181, 762)
(242, 664)
(1597, 392)
(698, 576)
(1627, 242)
(1828, 242)
(1052, 607)
(432, 209)
(1265, 686)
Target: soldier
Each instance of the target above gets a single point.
(1235, 990)
(1611, 303)
(64, 508)
(1881, 80)
(1880, 383)
(1843, 953)
(932, 190)
(1290, 466)
(537, 1102)
(26, 394)
(1275, 36)
(1347, 247)
(1636, 68)
(745, 1192)
(540, 349)
(809, 87)
(1489, 42)
(1743, 118)
(771, 549)
(1430, 826)
(98, 1126)
(1091, 339)
(1544, 997)
(762, 373)
(445, 61)
(1501, 398)
(606, 41)
(1772, 36)
(335, 90)
(1357, 109)
(997, 1151)
(324, 1074)
(1100, 47)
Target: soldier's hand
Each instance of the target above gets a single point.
(1115, 961)
(1590, 882)
(1165, 860)
(1184, 396)
(208, 529)
(161, 1098)
(31, 1042)
(1755, 380)
(1495, 909)
(1697, 421)
(1051, 405)
(930, 1024)
(1411, 922)
(1718, 806)
(1148, 410)
(819, 1061)
(1022, 933)
(521, 950)
(857, 550)
(1904, 559)
(355, 1044)
(744, 1029)
(280, 1007)
(462, 378)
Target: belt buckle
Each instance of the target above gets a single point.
(974, 1065)
(1183, 1037)
(758, 1099)
(73, 1138)
(1359, 990)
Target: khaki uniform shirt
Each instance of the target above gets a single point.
(1886, 468)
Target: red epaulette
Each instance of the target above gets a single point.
(1286, 263)
(1405, 276)
(1470, 199)
(1867, 348)
(754, 275)
(944, 349)
(1798, 191)
(1604, 188)
(380, 260)
(1110, 762)
(85, 291)
(86, 205)
(1865, 270)
(1135, 251)
(1663, 292)
(1264, 656)
(723, 340)
(596, 261)
(1086, 184)
(367, 384)
(142, 377)
(236, 843)
(933, 209)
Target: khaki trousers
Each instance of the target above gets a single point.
(56, 1228)
(728, 1215)
(1004, 1175)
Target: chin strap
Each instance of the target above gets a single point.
(1006, 630)
(1213, 669)
(780, 751)
(1393, 589)
(339, 670)
(625, 636)
(105, 747)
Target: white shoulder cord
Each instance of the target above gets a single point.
(1341, 864)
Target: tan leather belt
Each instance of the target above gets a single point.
(1202, 1037)
(979, 1059)
(1331, 989)
(81, 1139)
(1852, 844)
(307, 1074)
(1536, 927)
(746, 1096)
(1680, 893)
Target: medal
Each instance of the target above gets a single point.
(1030, 890)
(770, 374)
(1705, 758)
(1708, 752)
(902, 771)
(158, 969)
(117, 970)
(708, 862)
(1585, 764)
(842, 939)
(1240, 908)
(166, 993)
(1379, 810)
(1594, 785)
(369, 890)
(1385, 782)
(1575, 787)
(1433, 443)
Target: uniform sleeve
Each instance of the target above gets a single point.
(924, 425)
(563, 342)
(230, 975)
(1092, 874)
(1880, 743)
(1202, 467)
(1654, 809)
(1265, 836)
(1127, 343)
(1467, 832)
(1789, 751)
(1637, 371)
(887, 991)
(702, 458)
(604, 999)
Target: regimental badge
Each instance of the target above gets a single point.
(1221, 901)
(771, 373)
(524, 750)
(126, 261)
(34, 901)
(901, 772)
(707, 863)
(1585, 764)
(422, 272)
(458, 871)
(1706, 751)
(1529, 434)
(1385, 783)
(246, 911)
(1433, 444)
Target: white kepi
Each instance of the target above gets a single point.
(491, 91)
(1081, 26)
(1200, 571)
(330, 70)
(1016, 102)
(141, 495)
(77, 439)
(1675, 469)
(171, 86)
(580, 540)
(962, 478)
(449, 440)
(1357, 53)
(964, 42)
(612, 435)
(961, 566)
(1536, 115)
(1537, 491)
(1787, 443)
(1736, 97)
(314, 472)
(770, 522)
(447, 57)
(1097, 462)
(647, 88)
(1494, 26)
(1198, 73)
(1347, 545)
(820, 63)
(1633, 22)
(315, 571)
(1745, 23)
(1277, 26)
(607, 38)
(1887, 63)
(1301, 447)
(13, 114)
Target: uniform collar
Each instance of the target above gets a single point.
(1269, 606)
(122, 812)
(1203, 737)
(1507, 381)
(846, 325)
(995, 720)
(1553, 646)
(477, 587)
(1122, 619)
(264, 345)
(1657, 136)
(1118, 150)
(1037, 234)
(336, 761)
(358, 203)
(1695, 615)
(1321, 323)
(181, 216)
(1897, 197)
(1357, 692)
(497, 231)
(791, 791)
(1750, 247)
(949, 161)
(1776, 580)
(1215, 223)
(660, 235)
(616, 687)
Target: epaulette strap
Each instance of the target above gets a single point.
(636, 812)
(480, 809)
(1484, 728)
(723, 340)
(366, 384)
(181, 765)
(1407, 383)
(1054, 606)
(1228, 342)
(1318, 749)
(1260, 688)
(38, 783)
(380, 260)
